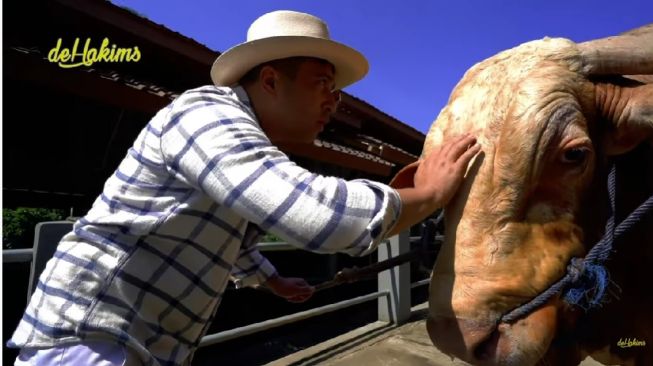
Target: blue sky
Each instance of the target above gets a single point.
(418, 50)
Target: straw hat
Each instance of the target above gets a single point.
(281, 34)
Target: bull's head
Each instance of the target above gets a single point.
(548, 114)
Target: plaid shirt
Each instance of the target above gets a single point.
(148, 264)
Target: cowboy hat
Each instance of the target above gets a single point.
(281, 34)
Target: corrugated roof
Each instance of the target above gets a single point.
(152, 88)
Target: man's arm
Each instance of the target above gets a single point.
(213, 145)
(251, 268)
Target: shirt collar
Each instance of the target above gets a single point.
(242, 96)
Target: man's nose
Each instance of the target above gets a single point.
(334, 99)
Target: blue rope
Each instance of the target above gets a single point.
(587, 279)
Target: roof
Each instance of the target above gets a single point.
(374, 121)
(360, 137)
(358, 145)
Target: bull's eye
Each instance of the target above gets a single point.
(576, 155)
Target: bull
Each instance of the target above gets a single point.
(551, 116)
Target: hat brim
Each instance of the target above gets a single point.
(350, 65)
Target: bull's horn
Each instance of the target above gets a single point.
(630, 53)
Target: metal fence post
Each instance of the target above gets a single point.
(396, 306)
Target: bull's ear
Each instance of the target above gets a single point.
(404, 178)
(629, 111)
(629, 108)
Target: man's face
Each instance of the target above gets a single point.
(306, 102)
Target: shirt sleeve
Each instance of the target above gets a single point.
(212, 142)
(251, 267)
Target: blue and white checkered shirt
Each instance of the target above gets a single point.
(148, 264)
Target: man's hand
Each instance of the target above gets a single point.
(436, 181)
(442, 171)
(290, 288)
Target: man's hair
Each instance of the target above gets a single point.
(287, 66)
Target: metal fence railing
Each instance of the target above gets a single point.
(393, 295)
(287, 319)
(17, 255)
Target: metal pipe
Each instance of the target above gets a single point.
(418, 238)
(275, 246)
(279, 246)
(273, 323)
(17, 255)
(420, 283)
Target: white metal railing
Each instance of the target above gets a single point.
(17, 255)
(393, 296)
(287, 319)
(26, 255)
(423, 282)
(275, 246)
(283, 246)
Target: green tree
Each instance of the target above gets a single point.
(270, 238)
(18, 225)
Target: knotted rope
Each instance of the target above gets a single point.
(587, 279)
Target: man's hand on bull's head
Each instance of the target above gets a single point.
(429, 183)
(440, 173)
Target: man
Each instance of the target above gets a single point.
(141, 275)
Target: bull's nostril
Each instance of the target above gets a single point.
(487, 348)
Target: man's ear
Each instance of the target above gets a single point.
(405, 177)
(629, 111)
(268, 77)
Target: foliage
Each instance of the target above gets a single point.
(270, 238)
(18, 225)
